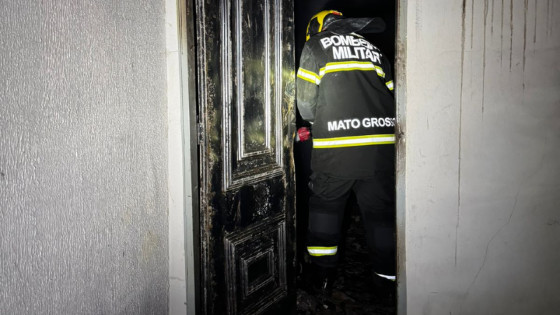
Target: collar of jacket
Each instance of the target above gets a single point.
(357, 25)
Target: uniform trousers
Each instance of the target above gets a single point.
(376, 200)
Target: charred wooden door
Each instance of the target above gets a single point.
(245, 75)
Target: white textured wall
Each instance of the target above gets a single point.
(83, 158)
(482, 192)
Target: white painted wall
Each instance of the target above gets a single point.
(481, 183)
(83, 158)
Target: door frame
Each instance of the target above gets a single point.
(180, 26)
(191, 142)
(183, 169)
(400, 98)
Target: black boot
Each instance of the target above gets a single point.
(384, 290)
(319, 283)
(325, 301)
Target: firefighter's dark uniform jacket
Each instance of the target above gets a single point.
(344, 88)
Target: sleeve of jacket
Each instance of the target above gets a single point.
(386, 65)
(307, 84)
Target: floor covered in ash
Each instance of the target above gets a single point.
(353, 290)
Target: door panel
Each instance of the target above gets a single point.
(245, 75)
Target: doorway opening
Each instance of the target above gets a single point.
(352, 292)
(242, 244)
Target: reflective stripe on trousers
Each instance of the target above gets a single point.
(322, 251)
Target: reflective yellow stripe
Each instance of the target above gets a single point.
(308, 76)
(346, 66)
(390, 85)
(338, 67)
(322, 251)
(342, 142)
(380, 71)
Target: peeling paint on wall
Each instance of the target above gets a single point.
(484, 56)
(458, 220)
(536, 18)
(472, 23)
(519, 32)
(511, 34)
(550, 18)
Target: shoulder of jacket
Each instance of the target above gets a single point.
(314, 43)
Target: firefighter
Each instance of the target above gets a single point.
(345, 92)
